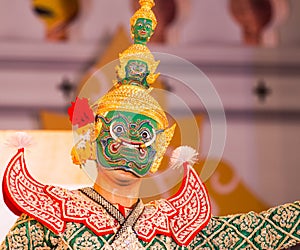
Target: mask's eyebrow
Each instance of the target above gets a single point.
(108, 120)
(145, 122)
(102, 118)
(159, 131)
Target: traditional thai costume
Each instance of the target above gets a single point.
(55, 218)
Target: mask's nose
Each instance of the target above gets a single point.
(133, 133)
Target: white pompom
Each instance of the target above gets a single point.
(19, 140)
(183, 154)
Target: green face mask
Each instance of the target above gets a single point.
(142, 31)
(136, 70)
(126, 141)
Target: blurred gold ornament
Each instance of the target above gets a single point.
(56, 15)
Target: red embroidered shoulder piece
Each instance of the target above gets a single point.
(181, 216)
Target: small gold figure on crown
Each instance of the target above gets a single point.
(137, 64)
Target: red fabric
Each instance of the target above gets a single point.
(6, 197)
(80, 112)
(122, 209)
(23, 194)
(181, 216)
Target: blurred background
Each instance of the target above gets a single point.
(250, 51)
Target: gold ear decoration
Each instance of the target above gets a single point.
(162, 142)
(96, 132)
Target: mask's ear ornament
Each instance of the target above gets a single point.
(162, 142)
(82, 119)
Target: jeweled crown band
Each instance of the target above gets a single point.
(132, 99)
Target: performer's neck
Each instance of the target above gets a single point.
(114, 198)
(117, 188)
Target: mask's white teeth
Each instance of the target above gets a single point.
(129, 145)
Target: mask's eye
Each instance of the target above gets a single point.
(148, 26)
(146, 135)
(118, 129)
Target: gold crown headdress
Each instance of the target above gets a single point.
(132, 96)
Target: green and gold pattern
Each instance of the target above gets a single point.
(29, 234)
(277, 228)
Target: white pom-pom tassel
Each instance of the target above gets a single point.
(181, 155)
(19, 140)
